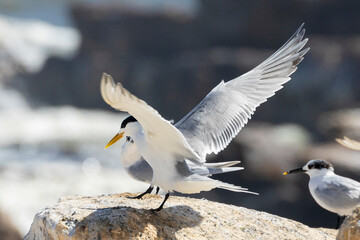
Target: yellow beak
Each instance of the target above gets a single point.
(116, 138)
(285, 173)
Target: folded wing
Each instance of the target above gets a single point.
(343, 192)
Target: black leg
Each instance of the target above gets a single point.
(144, 193)
(157, 190)
(339, 221)
(162, 204)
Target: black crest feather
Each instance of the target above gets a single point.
(320, 164)
(127, 120)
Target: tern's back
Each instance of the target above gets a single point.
(335, 193)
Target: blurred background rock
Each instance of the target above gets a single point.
(54, 124)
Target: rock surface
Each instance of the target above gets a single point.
(116, 217)
(350, 229)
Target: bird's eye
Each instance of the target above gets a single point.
(128, 139)
(310, 166)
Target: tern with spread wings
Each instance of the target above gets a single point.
(172, 151)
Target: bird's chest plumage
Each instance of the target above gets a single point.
(129, 155)
(161, 161)
(316, 184)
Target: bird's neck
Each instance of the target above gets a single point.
(317, 177)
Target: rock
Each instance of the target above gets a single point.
(116, 217)
(350, 229)
(7, 229)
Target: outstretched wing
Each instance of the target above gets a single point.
(349, 143)
(219, 117)
(159, 132)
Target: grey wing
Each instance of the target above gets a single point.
(219, 117)
(208, 169)
(343, 192)
(141, 171)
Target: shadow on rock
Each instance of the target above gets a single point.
(128, 222)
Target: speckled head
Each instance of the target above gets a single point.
(318, 164)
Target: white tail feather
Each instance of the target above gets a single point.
(221, 164)
(231, 187)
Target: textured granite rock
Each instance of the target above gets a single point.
(350, 228)
(116, 217)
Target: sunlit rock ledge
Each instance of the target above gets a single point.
(116, 217)
(350, 228)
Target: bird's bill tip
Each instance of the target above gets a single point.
(298, 170)
(116, 138)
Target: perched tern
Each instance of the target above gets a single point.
(208, 128)
(349, 143)
(335, 193)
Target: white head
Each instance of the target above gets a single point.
(128, 126)
(314, 168)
